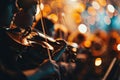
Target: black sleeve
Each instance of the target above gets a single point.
(11, 75)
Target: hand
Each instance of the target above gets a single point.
(67, 67)
(59, 49)
(47, 69)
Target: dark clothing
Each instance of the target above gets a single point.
(6, 74)
(9, 69)
(48, 26)
(8, 66)
(7, 8)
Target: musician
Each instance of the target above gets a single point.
(9, 68)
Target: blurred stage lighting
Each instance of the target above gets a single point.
(98, 61)
(111, 8)
(82, 28)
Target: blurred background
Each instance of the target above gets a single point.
(92, 28)
(93, 14)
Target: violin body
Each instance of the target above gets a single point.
(30, 51)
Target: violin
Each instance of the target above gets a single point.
(32, 49)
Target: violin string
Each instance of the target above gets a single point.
(43, 28)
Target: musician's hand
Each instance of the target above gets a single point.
(61, 42)
(67, 67)
(59, 49)
(47, 69)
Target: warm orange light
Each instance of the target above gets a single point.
(47, 9)
(53, 17)
(102, 2)
(74, 0)
(57, 4)
(87, 43)
(98, 61)
(77, 17)
(91, 11)
(81, 7)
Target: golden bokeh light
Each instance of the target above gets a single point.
(87, 43)
(98, 61)
(53, 17)
(76, 17)
(102, 2)
(47, 9)
(92, 11)
(81, 7)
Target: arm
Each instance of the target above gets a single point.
(46, 69)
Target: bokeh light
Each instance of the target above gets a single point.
(47, 9)
(81, 7)
(82, 28)
(110, 8)
(118, 47)
(107, 20)
(102, 2)
(98, 61)
(53, 17)
(96, 5)
(87, 43)
(77, 17)
(92, 11)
